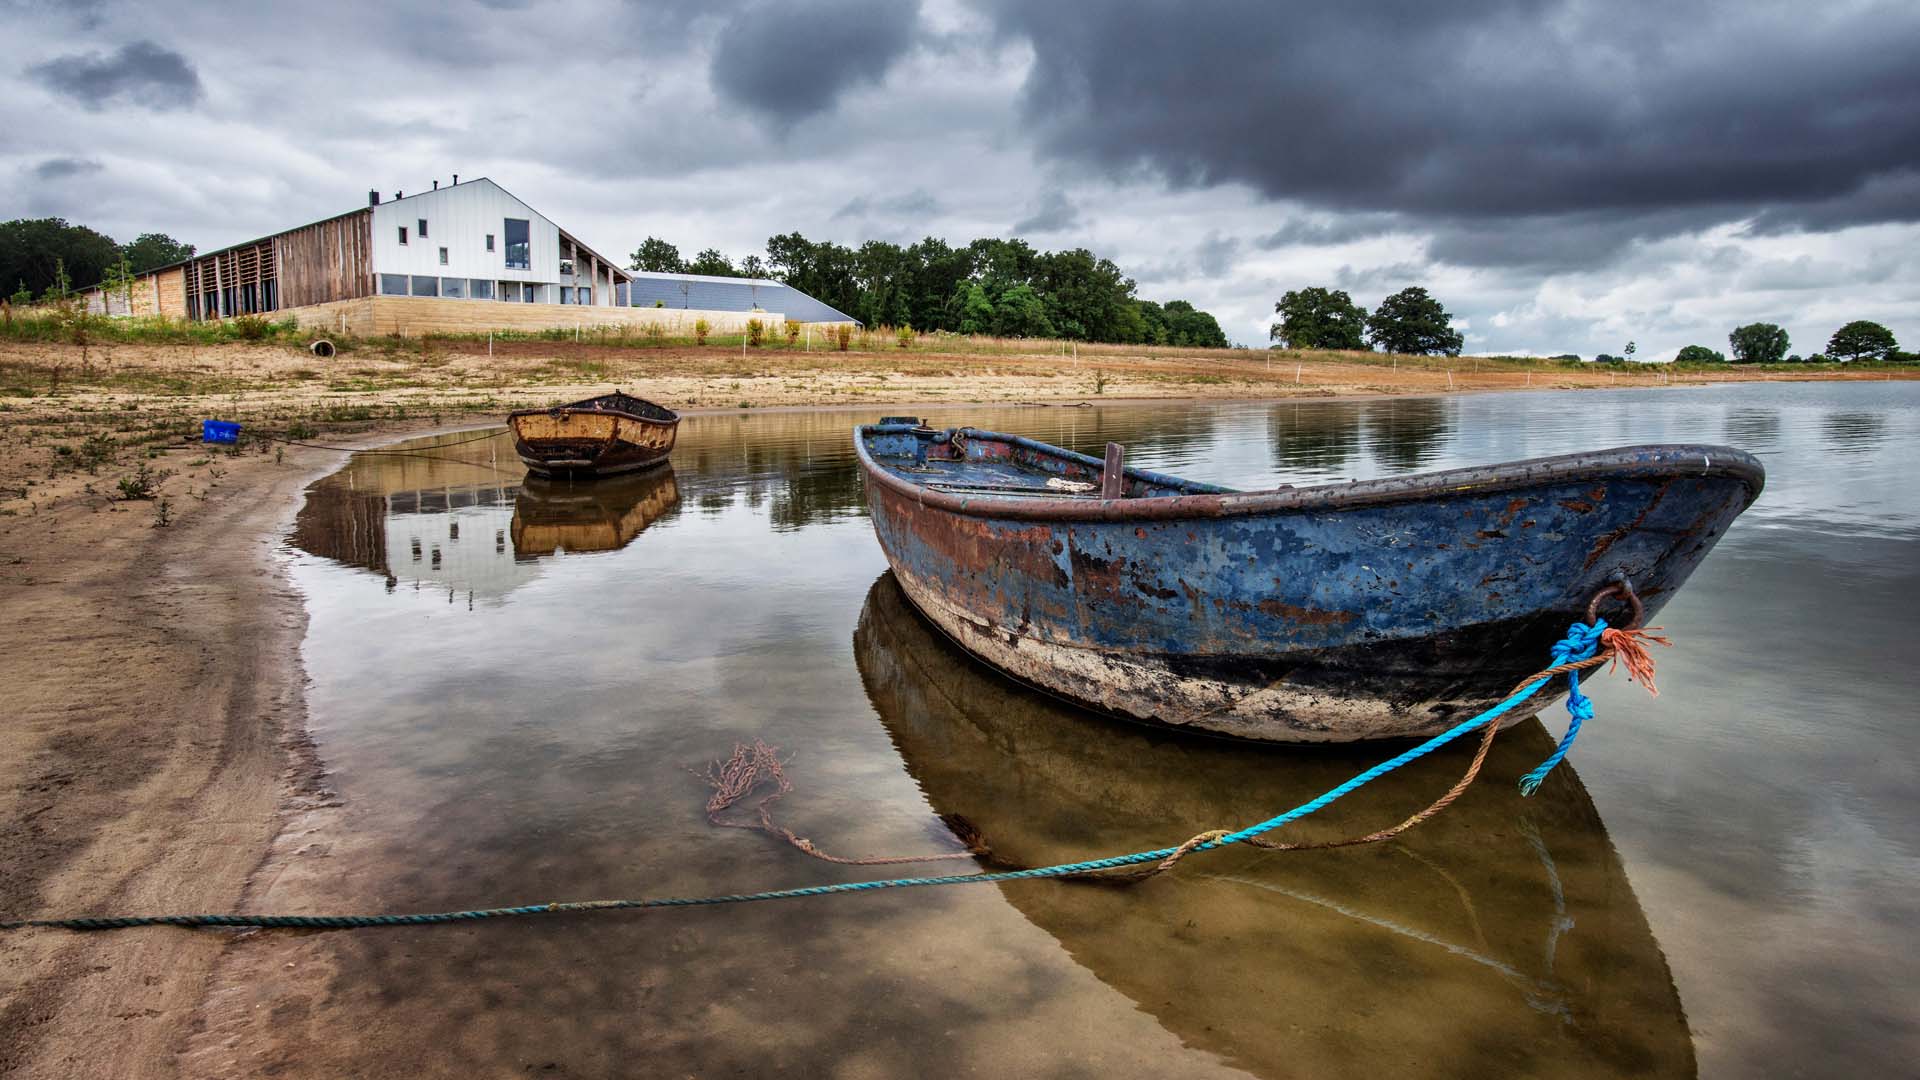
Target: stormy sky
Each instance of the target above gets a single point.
(1565, 176)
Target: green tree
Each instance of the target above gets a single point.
(1758, 343)
(1410, 321)
(119, 281)
(1699, 354)
(976, 311)
(1189, 327)
(1317, 318)
(713, 264)
(30, 248)
(1862, 340)
(655, 255)
(1020, 312)
(150, 251)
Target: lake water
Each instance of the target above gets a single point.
(514, 686)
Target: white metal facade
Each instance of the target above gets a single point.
(459, 219)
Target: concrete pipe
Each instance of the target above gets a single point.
(322, 348)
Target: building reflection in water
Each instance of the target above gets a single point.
(1502, 932)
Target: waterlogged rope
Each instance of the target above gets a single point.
(1580, 652)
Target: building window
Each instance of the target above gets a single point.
(566, 267)
(403, 234)
(443, 254)
(426, 286)
(519, 244)
(482, 289)
(455, 287)
(393, 284)
(583, 295)
(620, 292)
(566, 295)
(423, 227)
(489, 241)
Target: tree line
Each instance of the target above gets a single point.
(43, 258)
(1411, 321)
(1767, 343)
(991, 286)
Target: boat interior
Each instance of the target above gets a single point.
(967, 461)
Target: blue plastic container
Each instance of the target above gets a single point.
(219, 431)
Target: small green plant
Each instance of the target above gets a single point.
(906, 337)
(300, 429)
(756, 331)
(700, 330)
(842, 336)
(98, 449)
(1099, 381)
(22, 296)
(162, 513)
(655, 333)
(251, 328)
(793, 332)
(140, 485)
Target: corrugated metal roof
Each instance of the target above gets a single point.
(702, 292)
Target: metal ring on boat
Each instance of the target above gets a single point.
(1623, 589)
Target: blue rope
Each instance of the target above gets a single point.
(1580, 644)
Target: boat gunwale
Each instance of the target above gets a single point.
(1654, 459)
(585, 406)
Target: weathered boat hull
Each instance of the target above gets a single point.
(1379, 609)
(1388, 959)
(604, 436)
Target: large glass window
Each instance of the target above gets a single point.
(566, 294)
(519, 244)
(482, 289)
(620, 292)
(393, 284)
(510, 291)
(426, 286)
(455, 287)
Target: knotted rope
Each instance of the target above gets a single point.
(1577, 644)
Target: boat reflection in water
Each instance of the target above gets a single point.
(446, 512)
(551, 516)
(1502, 935)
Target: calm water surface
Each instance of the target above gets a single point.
(514, 685)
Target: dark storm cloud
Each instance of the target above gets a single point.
(1055, 213)
(789, 63)
(62, 168)
(1488, 108)
(141, 74)
(1342, 229)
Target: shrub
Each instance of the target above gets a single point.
(654, 332)
(906, 337)
(700, 329)
(756, 330)
(251, 328)
(1699, 354)
(140, 484)
(793, 332)
(842, 336)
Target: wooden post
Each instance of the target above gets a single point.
(1113, 479)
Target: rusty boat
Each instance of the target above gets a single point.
(602, 436)
(1390, 608)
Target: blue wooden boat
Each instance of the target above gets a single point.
(1374, 609)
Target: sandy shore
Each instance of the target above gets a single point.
(153, 743)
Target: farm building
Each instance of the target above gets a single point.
(460, 257)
